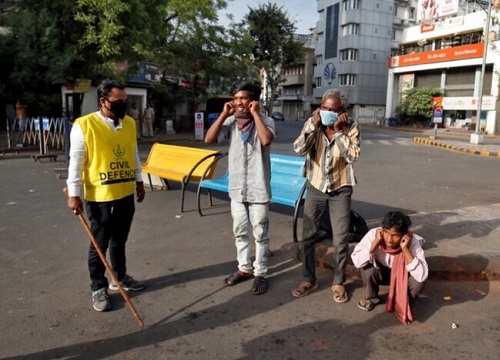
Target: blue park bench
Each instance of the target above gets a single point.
(287, 184)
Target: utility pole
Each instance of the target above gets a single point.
(477, 137)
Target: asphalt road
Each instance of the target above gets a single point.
(45, 306)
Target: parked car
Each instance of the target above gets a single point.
(277, 116)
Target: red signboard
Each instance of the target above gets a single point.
(449, 54)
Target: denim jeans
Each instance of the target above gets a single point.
(110, 224)
(338, 204)
(253, 216)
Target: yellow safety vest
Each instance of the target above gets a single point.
(110, 169)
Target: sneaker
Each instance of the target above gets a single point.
(100, 300)
(128, 284)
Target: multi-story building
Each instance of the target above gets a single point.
(295, 94)
(355, 39)
(447, 51)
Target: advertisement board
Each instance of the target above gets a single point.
(199, 130)
(430, 10)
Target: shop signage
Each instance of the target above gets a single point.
(468, 103)
(449, 54)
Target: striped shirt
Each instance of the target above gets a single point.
(329, 164)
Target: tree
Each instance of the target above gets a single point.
(417, 104)
(274, 45)
(52, 42)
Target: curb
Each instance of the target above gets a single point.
(455, 148)
(440, 268)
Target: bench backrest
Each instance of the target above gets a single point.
(180, 158)
(287, 170)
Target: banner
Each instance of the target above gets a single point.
(437, 110)
(199, 130)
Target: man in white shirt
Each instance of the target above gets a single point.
(391, 255)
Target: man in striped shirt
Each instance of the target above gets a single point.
(330, 142)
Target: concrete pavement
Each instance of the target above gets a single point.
(46, 310)
(462, 244)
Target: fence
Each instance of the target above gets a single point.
(54, 133)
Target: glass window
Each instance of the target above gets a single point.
(349, 55)
(350, 29)
(347, 79)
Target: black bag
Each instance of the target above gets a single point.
(357, 228)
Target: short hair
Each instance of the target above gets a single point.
(105, 88)
(253, 87)
(397, 220)
(336, 93)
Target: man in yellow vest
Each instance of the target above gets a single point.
(104, 161)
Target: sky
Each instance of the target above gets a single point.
(303, 13)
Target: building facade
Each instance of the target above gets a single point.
(448, 53)
(355, 39)
(295, 95)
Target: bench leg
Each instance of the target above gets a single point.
(150, 182)
(198, 196)
(182, 196)
(210, 197)
(295, 219)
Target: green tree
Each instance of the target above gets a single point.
(274, 45)
(416, 104)
(38, 60)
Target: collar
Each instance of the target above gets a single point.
(110, 121)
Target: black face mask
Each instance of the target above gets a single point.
(118, 108)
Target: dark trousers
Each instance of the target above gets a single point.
(110, 224)
(338, 203)
(374, 277)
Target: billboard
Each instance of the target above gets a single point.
(430, 10)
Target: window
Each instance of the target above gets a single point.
(347, 79)
(350, 4)
(319, 59)
(350, 29)
(349, 55)
(318, 82)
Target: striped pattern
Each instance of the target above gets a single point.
(332, 166)
(455, 148)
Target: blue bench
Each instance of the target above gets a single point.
(287, 184)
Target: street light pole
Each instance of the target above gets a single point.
(477, 137)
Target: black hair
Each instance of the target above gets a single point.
(105, 88)
(398, 220)
(252, 87)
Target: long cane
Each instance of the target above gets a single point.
(106, 264)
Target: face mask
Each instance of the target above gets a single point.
(328, 118)
(118, 108)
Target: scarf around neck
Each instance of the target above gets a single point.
(398, 299)
(245, 124)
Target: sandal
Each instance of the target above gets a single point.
(259, 285)
(304, 288)
(237, 277)
(339, 294)
(368, 305)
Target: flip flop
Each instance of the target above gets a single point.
(237, 277)
(304, 289)
(259, 285)
(339, 294)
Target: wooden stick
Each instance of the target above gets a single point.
(106, 264)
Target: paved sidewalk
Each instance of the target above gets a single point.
(189, 314)
(463, 244)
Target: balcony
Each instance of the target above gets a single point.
(294, 80)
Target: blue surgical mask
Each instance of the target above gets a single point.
(328, 118)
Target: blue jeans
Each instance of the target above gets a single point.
(256, 216)
(338, 203)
